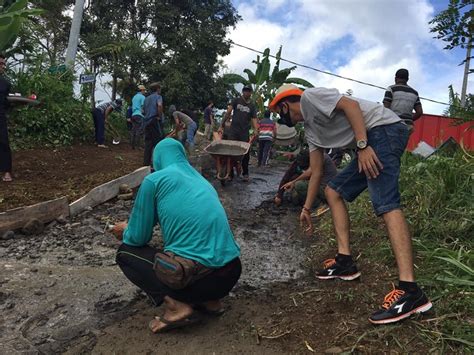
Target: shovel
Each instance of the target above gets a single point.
(113, 131)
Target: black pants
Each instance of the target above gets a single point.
(137, 265)
(99, 125)
(136, 131)
(153, 134)
(5, 151)
(264, 147)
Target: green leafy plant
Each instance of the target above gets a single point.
(12, 16)
(60, 119)
(264, 82)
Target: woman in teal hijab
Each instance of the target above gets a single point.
(193, 225)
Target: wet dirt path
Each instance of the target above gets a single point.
(61, 290)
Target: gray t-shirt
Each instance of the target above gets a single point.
(150, 107)
(183, 117)
(326, 127)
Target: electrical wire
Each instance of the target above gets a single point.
(332, 74)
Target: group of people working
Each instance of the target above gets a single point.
(145, 117)
(202, 239)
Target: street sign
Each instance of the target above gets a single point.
(57, 69)
(86, 78)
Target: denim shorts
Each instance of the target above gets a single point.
(389, 143)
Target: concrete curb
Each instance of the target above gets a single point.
(50, 210)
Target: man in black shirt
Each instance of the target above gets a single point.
(5, 151)
(243, 112)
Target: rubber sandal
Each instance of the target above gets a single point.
(214, 313)
(192, 319)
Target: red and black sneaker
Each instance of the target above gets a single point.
(334, 270)
(399, 304)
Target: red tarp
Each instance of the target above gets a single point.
(435, 130)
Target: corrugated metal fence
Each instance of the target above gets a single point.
(435, 130)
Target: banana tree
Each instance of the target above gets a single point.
(455, 109)
(12, 15)
(264, 82)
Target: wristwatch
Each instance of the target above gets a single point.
(361, 144)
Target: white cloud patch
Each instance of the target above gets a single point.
(366, 40)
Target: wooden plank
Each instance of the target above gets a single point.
(107, 191)
(44, 211)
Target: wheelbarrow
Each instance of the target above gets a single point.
(228, 154)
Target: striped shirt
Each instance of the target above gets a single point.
(265, 129)
(104, 106)
(402, 99)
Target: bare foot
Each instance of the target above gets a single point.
(101, 146)
(7, 177)
(213, 305)
(175, 311)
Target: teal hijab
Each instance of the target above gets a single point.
(193, 221)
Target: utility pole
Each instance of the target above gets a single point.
(74, 33)
(466, 73)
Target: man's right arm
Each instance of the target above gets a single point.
(226, 116)
(316, 161)
(159, 107)
(107, 112)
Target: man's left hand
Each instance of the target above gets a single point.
(369, 163)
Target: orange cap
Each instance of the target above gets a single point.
(284, 91)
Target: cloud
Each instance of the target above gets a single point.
(365, 40)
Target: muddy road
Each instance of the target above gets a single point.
(60, 291)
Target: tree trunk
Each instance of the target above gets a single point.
(74, 33)
(93, 70)
(114, 85)
(466, 73)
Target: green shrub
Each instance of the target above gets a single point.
(60, 119)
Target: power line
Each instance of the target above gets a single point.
(329, 73)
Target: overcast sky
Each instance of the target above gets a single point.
(366, 40)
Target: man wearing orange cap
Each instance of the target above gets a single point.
(333, 120)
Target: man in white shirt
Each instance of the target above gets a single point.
(333, 120)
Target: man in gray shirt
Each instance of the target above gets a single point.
(183, 120)
(403, 99)
(333, 120)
